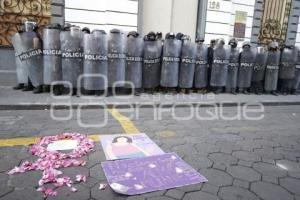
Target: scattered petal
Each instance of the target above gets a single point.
(50, 161)
(80, 178)
(102, 186)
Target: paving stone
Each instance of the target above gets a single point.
(217, 177)
(268, 153)
(246, 156)
(200, 196)
(205, 148)
(198, 161)
(136, 197)
(228, 146)
(245, 163)
(219, 166)
(269, 170)
(222, 158)
(65, 194)
(236, 193)
(94, 158)
(97, 172)
(184, 150)
(27, 179)
(250, 135)
(243, 173)
(292, 167)
(24, 194)
(291, 184)
(175, 193)
(173, 141)
(241, 183)
(288, 153)
(228, 136)
(73, 171)
(155, 194)
(271, 179)
(266, 143)
(160, 198)
(8, 162)
(210, 188)
(191, 188)
(4, 188)
(269, 191)
(105, 194)
(268, 160)
(248, 145)
(90, 182)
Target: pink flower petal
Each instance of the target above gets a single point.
(80, 178)
(49, 162)
(102, 186)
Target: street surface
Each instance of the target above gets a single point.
(242, 159)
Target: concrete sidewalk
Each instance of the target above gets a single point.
(14, 100)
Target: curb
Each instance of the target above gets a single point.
(143, 105)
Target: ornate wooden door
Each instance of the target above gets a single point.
(14, 12)
(274, 21)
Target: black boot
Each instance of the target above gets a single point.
(74, 92)
(233, 91)
(274, 93)
(137, 92)
(253, 88)
(109, 91)
(38, 89)
(258, 91)
(99, 93)
(46, 88)
(246, 92)
(152, 90)
(87, 92)
(188, 91)
(65, 90)
(28, 87)
(20, 86)
(57, 90)
(218, 90)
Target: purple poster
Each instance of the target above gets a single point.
(148, 174)
(123, 146)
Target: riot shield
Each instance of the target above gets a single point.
(32, 57)
(287, 63)
(219, 68)
(152, 63)
(201, 66)
(134, 60)
(95, 64)
(296, 80)
(52, 54)
(247, 60)
(72, 55)
(19, 47)
(271, 74)
(187, 64)
(233, 68)
(116, 58)
(260, 65)
(170, 62)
